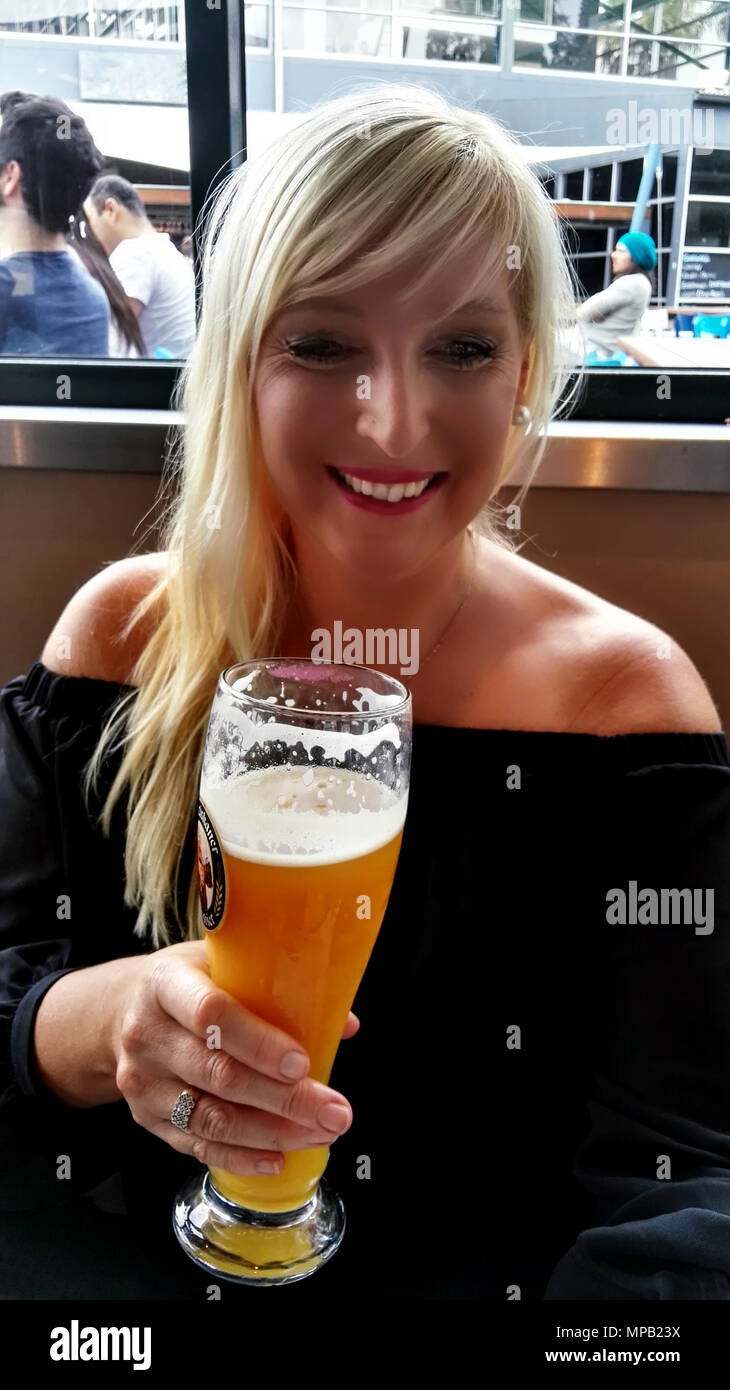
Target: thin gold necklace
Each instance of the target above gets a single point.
(457, 611)
(454, 615)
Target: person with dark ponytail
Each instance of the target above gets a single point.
(125, 335)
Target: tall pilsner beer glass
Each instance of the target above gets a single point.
(303, 796)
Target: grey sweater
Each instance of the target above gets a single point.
(622, 306)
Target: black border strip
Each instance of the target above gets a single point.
(649, 395)
(622, 396)
(126, 383)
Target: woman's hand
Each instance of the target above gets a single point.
(248, 1110)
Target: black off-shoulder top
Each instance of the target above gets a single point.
(541, 1089)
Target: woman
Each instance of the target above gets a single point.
(360, 321)
(617, 312)
(125, 335)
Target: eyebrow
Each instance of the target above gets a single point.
(337, 306)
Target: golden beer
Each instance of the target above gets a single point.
(302, 801)
(309, 856)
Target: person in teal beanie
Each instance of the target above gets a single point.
(617, 311)
(641, 249)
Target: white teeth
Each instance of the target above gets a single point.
(384, 493)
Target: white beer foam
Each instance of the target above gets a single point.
(294, 816)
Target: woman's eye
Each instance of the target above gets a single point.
(459, 352)
(470, 352)
(313, 349)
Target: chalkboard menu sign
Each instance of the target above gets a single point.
(705, 276)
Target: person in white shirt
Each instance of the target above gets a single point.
(125, 336)
(617, 311)
(158, 281)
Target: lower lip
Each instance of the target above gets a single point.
(381, 507)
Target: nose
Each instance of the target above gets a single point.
(395, 417)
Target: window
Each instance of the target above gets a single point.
(442, 38)
(629, 181)
(111, 275)
(708, 224)
(258, 26)
(573, 14)
(600, 185)
(707, 20)
(324, 30)
(140, 80)
(670, 40)
(450, 45)
(674, 59)
(711, 173)
(574, 184)
(549, 48)
(485, 9)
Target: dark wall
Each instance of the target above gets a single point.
(660, 554)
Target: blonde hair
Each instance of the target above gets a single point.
(362, 184)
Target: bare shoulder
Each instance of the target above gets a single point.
(610, 671)
(87, 640)
(644, 682)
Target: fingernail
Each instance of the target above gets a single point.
(266, 1165)
(294, 1065)
(334, 1117)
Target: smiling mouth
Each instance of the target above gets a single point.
(387, 492)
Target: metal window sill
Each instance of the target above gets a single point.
(590, 454)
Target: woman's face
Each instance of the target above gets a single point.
(621, 260)
(392, 395)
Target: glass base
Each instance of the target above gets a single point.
(254, 1247)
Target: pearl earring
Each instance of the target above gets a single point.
(523, 415)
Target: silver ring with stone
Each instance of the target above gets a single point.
(183, 1109)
